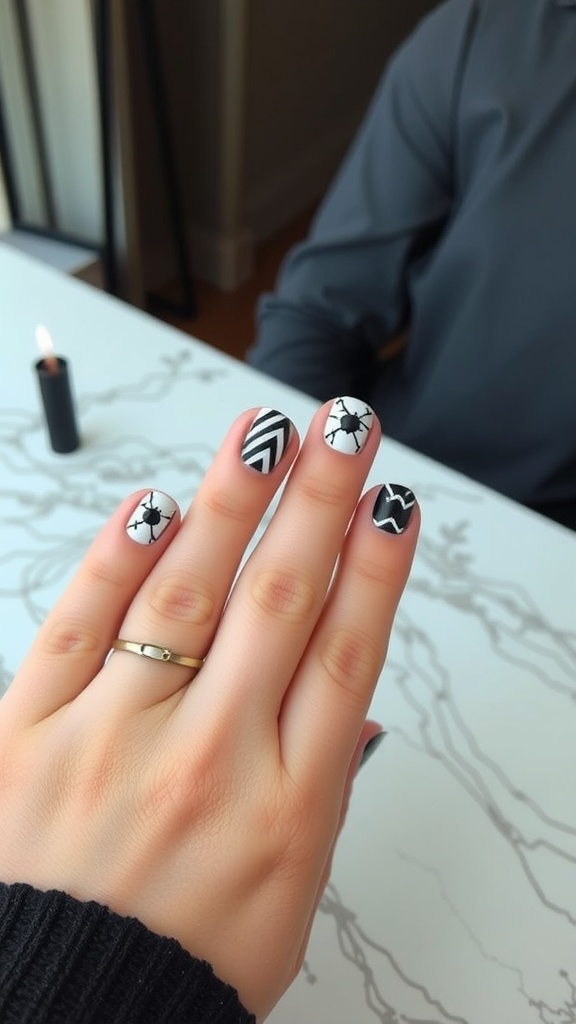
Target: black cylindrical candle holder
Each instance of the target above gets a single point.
(56, 393)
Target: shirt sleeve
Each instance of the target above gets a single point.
(65, 960)
(345, 291)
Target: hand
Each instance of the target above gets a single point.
(206, 803)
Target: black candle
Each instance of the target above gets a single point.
(56, 393)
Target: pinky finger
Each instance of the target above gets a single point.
(371, 731)
(71, 645)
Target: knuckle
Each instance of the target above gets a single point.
(178, 597)
(379, 572)
(322, 491)
(284, 594)
(100, 571)
(223, 504)
(352, 661)
(71, 637)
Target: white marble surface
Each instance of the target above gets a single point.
(454, 891)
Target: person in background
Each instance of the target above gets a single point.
(452, 222)
(169, 812)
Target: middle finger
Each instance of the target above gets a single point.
(278, 597)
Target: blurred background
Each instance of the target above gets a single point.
(171, 151)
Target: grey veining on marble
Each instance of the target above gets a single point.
(453, 896)
(477, 782)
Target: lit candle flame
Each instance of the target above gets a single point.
(44, 342)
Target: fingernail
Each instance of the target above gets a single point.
(267, 440)
(371, 748)
(150, 518)
(393, 508)
(348, 425)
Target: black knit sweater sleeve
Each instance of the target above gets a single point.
(67, 962)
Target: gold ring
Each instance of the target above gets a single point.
(156, 653)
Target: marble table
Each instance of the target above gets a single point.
(453, 896)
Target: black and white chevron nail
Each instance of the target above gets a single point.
(393, 508)
(266, 441)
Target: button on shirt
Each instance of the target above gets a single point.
(454, 216)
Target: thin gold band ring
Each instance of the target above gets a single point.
(156, 653)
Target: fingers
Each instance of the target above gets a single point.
(279, 595)
(71, 645)
(332, 689)
(179, 605)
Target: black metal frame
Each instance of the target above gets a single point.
(172, 192)
(149, 28)
(102, 35)
(6, 158)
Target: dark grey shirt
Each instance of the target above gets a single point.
(454, 214)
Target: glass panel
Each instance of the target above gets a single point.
(49, 96)
(19, 124)
(63, 46)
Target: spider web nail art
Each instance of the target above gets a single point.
(348, 425)
(151, 517)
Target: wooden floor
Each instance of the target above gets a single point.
(226, 319)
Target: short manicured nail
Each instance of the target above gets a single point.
(150, 518)
(267, 440)
(371, 748)
(393, 508)
(348, 425)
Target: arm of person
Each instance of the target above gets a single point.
(344, 292)
(67, 960)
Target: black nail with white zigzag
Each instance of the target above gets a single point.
(393, 508)
(266, 441)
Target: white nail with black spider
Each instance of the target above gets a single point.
(153, 513)
(348, 425)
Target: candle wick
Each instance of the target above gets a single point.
(51, 363)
